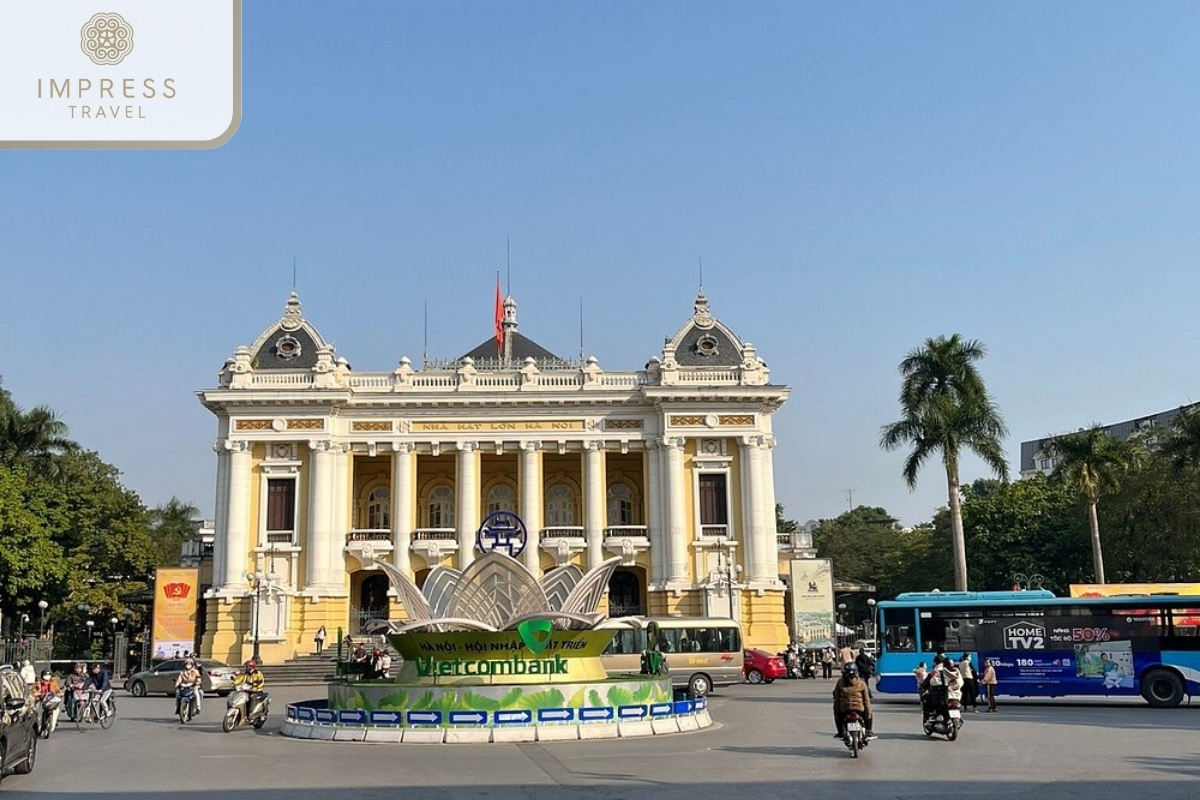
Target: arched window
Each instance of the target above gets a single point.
(441, 507)
(620, 504)
(502, 498)
(378, 511)
(560, 506)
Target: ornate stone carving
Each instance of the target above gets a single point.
(737, 419)
(687, 420)
(624, 424)
(305, 424)
(370, 426)
(253, 424)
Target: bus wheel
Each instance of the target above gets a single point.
(1162, 688)
(699, 685)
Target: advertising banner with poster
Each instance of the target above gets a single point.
(175, 596)
(1188, 618)
(812, 599)
(1082, 655)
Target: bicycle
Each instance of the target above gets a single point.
(89, 709)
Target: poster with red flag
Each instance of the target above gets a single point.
(174, 628)
(499, 319)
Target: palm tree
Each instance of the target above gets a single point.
(171, 525)
(1092, 461)
(946, 408)
(31, 439)
(1182, 444)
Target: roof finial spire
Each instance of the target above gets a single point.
(701, 261)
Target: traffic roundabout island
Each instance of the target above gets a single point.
(493, 654)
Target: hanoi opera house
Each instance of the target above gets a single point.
(322, 470)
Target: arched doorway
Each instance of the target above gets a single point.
(372, 601)
(626, 595)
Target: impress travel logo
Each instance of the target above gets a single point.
(75, 79)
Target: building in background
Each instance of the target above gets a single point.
(321, 470)
(1035, 460)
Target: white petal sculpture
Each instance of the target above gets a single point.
(498, 592)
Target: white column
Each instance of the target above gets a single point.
(748, 478)
(402, 506)
(531, 503)
(593, 502)
(467, 494)
(320, 513)
(340, 512)
(769, 552)
(677, 533)
(220, 514)
(237, 517)
(654, 514)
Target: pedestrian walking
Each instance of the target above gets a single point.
(988, 681)
(28, 675)
(970, 684)
(319, 639)
(827, 656)
(847, 655)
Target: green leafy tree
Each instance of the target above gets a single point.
(782, 524)
(1092, 462)
(1182, 443)
(945, 408)
(31, 562)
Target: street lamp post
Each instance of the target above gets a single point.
(42, 606)
(21, 627)
(872, 628)
(841, 621)
(114, 621)
(261, 584)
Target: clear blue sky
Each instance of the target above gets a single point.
(856, 176)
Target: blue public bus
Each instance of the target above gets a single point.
(1047, 646)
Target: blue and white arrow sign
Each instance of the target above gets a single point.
(468, 717)
(701, 703)
(424, 718)
(386, 717)
(327, 715)
(512, 717)
(305, 713)
(631, 712)
(595, 713)
(352, 716)
(556, 714)
(291, 712)
(685, 707)
(661, 709)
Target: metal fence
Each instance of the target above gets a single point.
(37, 651)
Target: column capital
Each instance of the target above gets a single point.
(673, 442)
(237, 445)
(531, 446)
(403, 448)
(595, 446)
(466, 447)
(752, 441)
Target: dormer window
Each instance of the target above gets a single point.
(287, 348)
(707, 345)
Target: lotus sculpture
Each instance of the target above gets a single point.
(499, 593)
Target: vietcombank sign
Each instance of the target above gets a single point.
(534, 653)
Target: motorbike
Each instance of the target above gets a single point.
(855, 735)
(242, 710)
(46, 721)
(945, 719)
(186, 702)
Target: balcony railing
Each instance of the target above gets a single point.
(281, 537)
(435, 535)
(625, 531)
(714, 531)
(563, 532)
(369, 535)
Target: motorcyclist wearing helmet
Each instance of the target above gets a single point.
(943, 684)
(44, 691)
(850, 694)
(190, 676)
(251, 680)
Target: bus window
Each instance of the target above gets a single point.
(624, 643)
(668, 639)
(898, 631)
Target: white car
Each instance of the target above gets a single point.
(870, 645)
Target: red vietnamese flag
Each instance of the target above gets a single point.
(499, 318)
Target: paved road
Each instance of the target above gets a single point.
(773, 742)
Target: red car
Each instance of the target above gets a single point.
(759, 666)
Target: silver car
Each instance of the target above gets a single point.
(218, 678)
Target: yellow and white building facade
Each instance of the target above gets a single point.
(321, 470)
